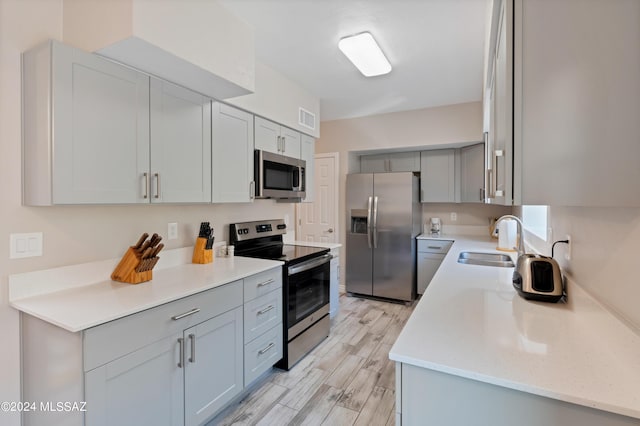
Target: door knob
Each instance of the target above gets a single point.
(330, 230)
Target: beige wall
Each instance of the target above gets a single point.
(605, 243)
(72, 234)
(467, 214)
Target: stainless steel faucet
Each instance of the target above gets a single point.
(520, 233)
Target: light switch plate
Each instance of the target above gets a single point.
(172, 231)
(25, 245)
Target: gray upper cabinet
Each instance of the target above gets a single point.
(472, 159)
(438, 176)
(272, 137)
(180, 169)
(85, 128)
(232, 155)
(390, 162)
(575, 126)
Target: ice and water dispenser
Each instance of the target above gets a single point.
(359, 221)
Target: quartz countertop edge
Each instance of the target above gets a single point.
(471, 323)
(76, 309)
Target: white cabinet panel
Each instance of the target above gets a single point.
(261, 354)
(437, 176)
(390, 162)
(180, 145)
(272, 137)
(262, 314)
(373, 163)
(232, 155)
(213, 371)
(91, 144)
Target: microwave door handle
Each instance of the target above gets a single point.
(369, 210)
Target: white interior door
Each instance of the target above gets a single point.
(318, 220)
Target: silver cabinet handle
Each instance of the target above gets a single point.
(252, 190)
(192, 338)
(157, 176)
(267, 282)
(330, 230)
(146, 185)
(284, 144)
(435, 247)
(265, 310)
(181, 359)
(269, 346)
(279, 144)
(186, 314)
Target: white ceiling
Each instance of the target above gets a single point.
(434, 46)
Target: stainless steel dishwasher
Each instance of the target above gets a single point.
(430, 256)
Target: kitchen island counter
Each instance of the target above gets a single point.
(471, 323)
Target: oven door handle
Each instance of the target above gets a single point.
(309, 264)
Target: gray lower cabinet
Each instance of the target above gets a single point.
(430, 256)
(428, 397)
(472, 174)
(179, 363)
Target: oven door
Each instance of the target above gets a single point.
(308, 289)
(279, 176)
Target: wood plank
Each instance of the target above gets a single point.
(278, 415)
(378, 359)
(340, 416)
(305, 389)
(258, 403)
(371, 316)
(318, 407)
(381, 324)
(388, 376)
(379, 406)
(345, 372)
(359, 390)
(291, 378)
(366, 346)
(333, 359)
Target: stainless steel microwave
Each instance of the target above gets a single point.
(279, 176)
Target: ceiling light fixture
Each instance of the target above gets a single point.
(363, 51)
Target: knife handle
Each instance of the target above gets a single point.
(143, 237)
(157, 250)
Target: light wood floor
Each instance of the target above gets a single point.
(347, 380)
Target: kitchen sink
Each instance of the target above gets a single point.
(486, 259)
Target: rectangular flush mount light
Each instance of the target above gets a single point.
(364, 52)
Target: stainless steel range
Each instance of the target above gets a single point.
(305, 287)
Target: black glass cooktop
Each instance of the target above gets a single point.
(287, 253)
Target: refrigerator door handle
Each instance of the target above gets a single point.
(369, 219)
(375, 222)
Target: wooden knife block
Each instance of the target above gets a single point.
(125, 272)
(200, 254)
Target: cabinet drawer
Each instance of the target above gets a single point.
(114, 339)
(260, 284)
(261, 314)
(261, 354)
(434, 246)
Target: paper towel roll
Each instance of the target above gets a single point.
(507, 235)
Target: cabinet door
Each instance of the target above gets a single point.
(290, 142)
(180, 145)
(428, 264)
(404, 162)
(267, 135)
(437, 176)
(472, 173)
(100, 129)
(142, 388)
(213, 365)
(232, 155)
(307, 153)
(502, 154)
(373, 163)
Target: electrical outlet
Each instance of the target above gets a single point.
(454, 217)
(172, 231)
(567, 252)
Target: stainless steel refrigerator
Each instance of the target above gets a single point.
(383, 219)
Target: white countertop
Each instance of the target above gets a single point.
(471, 323)
(81, 307)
